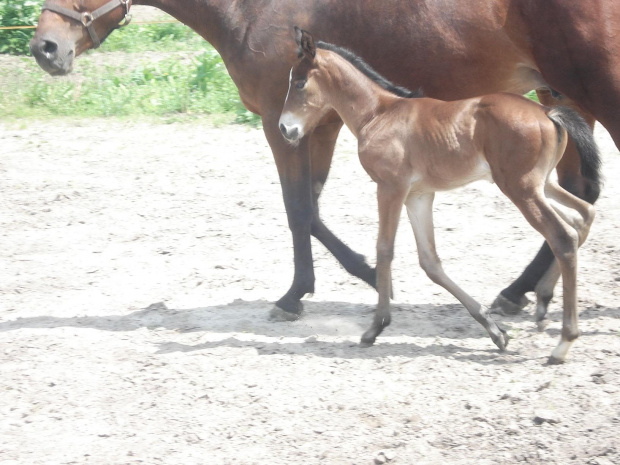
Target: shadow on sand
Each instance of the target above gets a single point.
(240, 319)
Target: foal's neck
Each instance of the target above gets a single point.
(355, 97)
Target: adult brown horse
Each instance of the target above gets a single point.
(453, 50)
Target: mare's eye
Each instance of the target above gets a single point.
(300, 84)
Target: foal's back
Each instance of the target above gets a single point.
(435, 145)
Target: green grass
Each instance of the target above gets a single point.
(131, 86)
(162, 37)
(532, 96)
(156, 69)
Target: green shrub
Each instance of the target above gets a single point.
(180, 83)
(162, 88)
(18, 13)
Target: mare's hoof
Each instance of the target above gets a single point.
(503, 306)
(368, 338)
(277, 314)
(542, 324)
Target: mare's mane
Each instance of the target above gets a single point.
(369, 72)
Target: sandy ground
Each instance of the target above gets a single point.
(139, 262)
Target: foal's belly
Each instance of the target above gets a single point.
(448, 176)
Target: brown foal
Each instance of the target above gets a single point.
(413, 147)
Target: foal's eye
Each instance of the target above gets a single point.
(300, 84)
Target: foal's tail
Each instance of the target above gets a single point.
(581, 133)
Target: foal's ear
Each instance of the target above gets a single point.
(304, 39)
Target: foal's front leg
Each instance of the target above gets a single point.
(390, 200)
(420, 211)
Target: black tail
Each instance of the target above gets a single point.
(581, 134)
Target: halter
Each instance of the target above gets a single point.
(87, 18)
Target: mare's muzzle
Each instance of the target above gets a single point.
(55, 51)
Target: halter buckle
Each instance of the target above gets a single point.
(87, 19)
(127, 19)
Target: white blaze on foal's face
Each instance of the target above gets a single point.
(304, 106)
(290, 124)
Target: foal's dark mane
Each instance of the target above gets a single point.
(369, 72)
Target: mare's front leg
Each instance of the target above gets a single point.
(539, 275)
(293, 163)
(303, 171)
(322, 143)
(420, 211)
(390, 201)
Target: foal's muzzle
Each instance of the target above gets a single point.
(290, 127)
(290, 133)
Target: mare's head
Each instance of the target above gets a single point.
(69, 27)
(305, 104)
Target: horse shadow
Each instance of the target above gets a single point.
(245, 324)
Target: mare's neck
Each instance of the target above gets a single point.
(354, 96)
(214, 20)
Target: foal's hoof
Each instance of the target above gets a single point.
(277, 314)
(502, 341)
(542, 324)
(554, 361)
(503, 306)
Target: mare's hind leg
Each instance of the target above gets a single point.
(390, 199)
(420, 211)
(322, 143)
(512, 299)
(579, 215)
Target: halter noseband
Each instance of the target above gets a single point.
(87, 18)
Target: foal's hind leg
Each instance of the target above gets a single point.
(564, 241)
(512, 299)
(420, 211)
(390, 199)
(579, 216)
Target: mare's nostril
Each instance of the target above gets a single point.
(283, 129)
(49, 47)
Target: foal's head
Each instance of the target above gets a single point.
(313, 86)
(305, 104)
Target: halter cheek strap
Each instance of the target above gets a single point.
(87, 18)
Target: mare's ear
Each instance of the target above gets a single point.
(304, 39)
